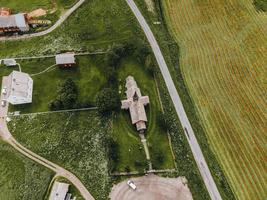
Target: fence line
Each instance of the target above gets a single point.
(57, 111)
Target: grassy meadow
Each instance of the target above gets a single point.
(75, 141)
(85, 74)
(223, 62)
(21, 178)
(124, 131)
(30, 5)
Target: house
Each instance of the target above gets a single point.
(9, 62)
(14, 23)
(59, 191)
(65, 59)
(136, 104)
(19, 88)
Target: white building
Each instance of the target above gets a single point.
(59, 191)
(65, 59)
(14, 22)
(136, 104)
(9, 62)
(19, 88)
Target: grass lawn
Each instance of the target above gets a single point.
(86, 74)
(30, 5)
(93, 26)
(125, 132)
(21, 178)
(223, 63)
(76, 141)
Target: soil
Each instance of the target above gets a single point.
(152, 187)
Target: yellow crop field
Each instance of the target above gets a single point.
(223, 58)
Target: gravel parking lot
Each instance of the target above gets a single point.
(152, 187)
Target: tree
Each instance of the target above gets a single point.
(115, 54)
(67, 95)
(107, 101)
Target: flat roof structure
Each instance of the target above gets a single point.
(9, 62)
(19, 88)
(59, 191)
(65, 59)
(14, 21)
(136, 104)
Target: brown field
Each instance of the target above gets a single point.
(223, 59)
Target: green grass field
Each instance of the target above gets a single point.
(30, 5)
(75, 141)
(86, 74)
(131, 149)
(94, 26)
(98, 26)
(156, 136)
(21, 178)
(222, 57)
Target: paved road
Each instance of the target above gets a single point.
(198, 155)
(52, 28)
(6, 136)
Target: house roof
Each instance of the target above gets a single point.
(10, 62)
(21, 85)
(59, 191)
(17, 20)
(135, 103)
(66, 58)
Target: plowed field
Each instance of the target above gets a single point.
(223, 57)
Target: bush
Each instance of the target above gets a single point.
(67, 96)
(260, 5)
(107, 101)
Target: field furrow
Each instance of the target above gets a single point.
(223, 58)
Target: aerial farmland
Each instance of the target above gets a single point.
(223, 48)
(133, 99)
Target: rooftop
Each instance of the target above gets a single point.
(135, 103)
(17, 20)
(66, 58)
(59, 191)
(19, 88)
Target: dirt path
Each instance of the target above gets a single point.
(152, 187)
(144, 142)
(60, 171)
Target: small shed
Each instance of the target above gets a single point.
(59, 191)
(9, 62)
(65, 59)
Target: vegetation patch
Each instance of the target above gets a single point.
(20, 177)
(261, 5)
(86, 76)
(75, 141)
(30, 5)
(218, 87)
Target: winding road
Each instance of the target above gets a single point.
(60, 171)
(49, 30)
(197, 153)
